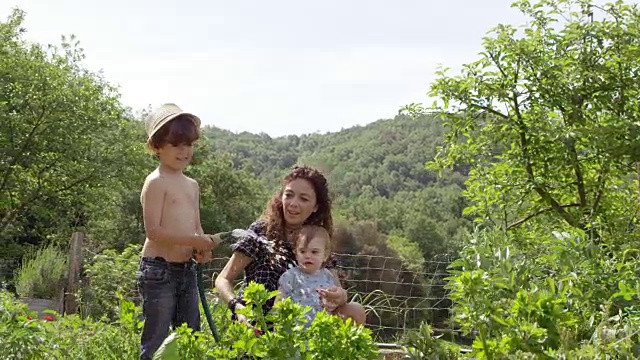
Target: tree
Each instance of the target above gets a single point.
(229, 198)
(548, 118)
(64, 137)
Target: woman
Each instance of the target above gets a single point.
(303, 199)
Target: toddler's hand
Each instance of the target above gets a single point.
(327, 304)
(333, 297)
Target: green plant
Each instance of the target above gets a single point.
(372, 300)
(67, 337)
(543, 296)
(110, 277)
(328, 337)
(422, 345)
(42, 273)
(72, 337)
(22, 337)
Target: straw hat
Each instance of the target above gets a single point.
(162, 115)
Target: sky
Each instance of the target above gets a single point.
(280, 66)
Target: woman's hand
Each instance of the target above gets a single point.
(241, 318)
(333, 297)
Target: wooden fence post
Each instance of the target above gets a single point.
(75, 266)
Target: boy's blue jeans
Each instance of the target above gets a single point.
(170, 298)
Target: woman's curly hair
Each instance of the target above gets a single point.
(274, 215)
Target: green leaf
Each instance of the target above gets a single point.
(169, 349)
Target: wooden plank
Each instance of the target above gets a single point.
(75, 266)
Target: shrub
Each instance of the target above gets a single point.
(110, 277)
(42, 274)
(529, 295)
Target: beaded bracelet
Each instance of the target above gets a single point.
(234, 303)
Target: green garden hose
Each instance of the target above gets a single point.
(217, 238)
(203, 300)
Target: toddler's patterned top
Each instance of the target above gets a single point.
(301, 288)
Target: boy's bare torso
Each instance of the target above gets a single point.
(179, 213)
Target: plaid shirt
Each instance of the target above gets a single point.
(269, 262)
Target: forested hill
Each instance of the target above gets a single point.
(388, 155)
(377, 172)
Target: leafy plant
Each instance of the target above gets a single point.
(42, 273)
(278, 335)
(21, 336)
(110, 278)
(552, 298)
(422, 345)
(68, 337)
(72, 337)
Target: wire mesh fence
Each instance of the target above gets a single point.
(396, 298)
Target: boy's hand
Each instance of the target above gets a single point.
(204, 243)
(204, 256)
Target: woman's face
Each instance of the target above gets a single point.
(298, 202)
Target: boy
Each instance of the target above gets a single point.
(305, 283)
(171, 211)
